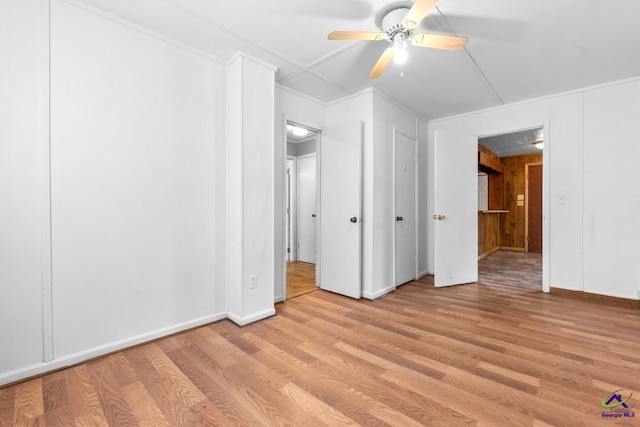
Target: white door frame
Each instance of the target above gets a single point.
(546, 129)
(293, 214)
(285, 121)
(416, 213)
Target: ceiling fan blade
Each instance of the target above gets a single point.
(439, 41)
(355, 35)
(382, 63)
(418, 12)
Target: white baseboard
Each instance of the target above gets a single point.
(241, 321)
(81, 356)
(378, 294)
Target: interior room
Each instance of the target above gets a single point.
(149, 213)
(300, 210)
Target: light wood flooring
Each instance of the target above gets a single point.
(480, 354)
(301, 278)
(523, 269)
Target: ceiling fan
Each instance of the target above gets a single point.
(398, 22)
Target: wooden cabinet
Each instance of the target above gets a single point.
(490, 164)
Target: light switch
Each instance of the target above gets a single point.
(520, 197)
(520, 202)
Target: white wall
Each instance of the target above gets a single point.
(298, 108)
(137, 132)
(585, 131)
(25, 271)
(611, 200)
(250, 212)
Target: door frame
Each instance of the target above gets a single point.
(283, 260)
(546, 220)
(293, 206)
(526, 202)
(416, 208)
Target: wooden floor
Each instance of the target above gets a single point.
(479, 354)
(301, 278)
(523, 269)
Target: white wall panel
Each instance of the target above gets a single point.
(611, 201)
(589, 158)
(250, 211)
(24, 176)
(134, 131)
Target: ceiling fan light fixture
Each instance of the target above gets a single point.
(400, 46)
(400, 57)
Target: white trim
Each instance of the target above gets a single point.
(143, 30)
(546, 208)
(378, 294)
(245, 320)
(82, 356)
(300, 94)
(538, 99)
(45, 183)
(240, 54)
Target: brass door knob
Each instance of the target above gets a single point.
(353, 219)
(399, 218)
(441, 217)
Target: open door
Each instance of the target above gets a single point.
(455, 208)
(340, 162)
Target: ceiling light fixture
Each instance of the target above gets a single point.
(300, 131)
(400, 46)
(539, 145)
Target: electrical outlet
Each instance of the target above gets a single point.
(253, 282)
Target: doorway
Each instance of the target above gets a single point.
(300, 210)
(510, 230)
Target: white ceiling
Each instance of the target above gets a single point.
(513, 143)
(518, 49)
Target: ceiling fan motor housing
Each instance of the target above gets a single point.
(392, 21)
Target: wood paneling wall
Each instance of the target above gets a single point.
(512, 231)
(488, 233)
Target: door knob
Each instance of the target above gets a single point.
(313, 215)
(399, 218)
(353, 219)
(439, 217)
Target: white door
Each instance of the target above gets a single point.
(306, 190)
(456, 208)
(340, 154)
(405, 208)
(288, 210)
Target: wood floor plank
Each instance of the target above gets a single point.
(83, 397)
(114, 406)
(493, 353)
(142, 405)
(28, 402)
